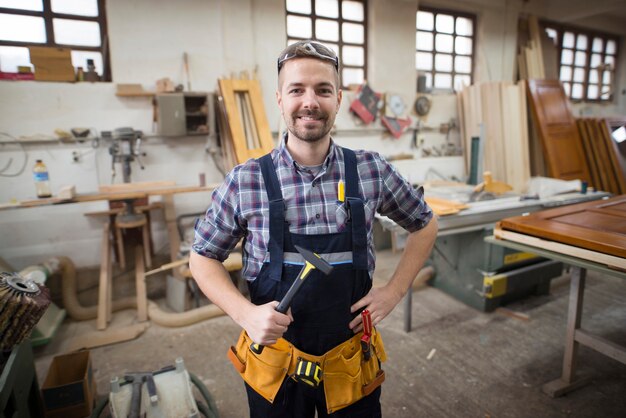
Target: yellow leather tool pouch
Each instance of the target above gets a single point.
(265, 372)
(346, 377)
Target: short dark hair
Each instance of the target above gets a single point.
(308, 49)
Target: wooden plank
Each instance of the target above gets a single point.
(140, 285)
(557, 130)
(594, 256)
(616, 158)
(136, 186)
(591, 154)
(604, 160)
(598, 226)
(104, 297)
(110, 336)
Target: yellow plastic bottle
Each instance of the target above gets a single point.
(42, 180)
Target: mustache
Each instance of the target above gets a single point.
(312, 113)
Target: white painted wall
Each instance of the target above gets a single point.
(221, 37)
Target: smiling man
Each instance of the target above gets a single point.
(317, 356)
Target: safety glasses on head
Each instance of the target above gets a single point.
(311, 49)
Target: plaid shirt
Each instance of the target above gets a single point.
(240, 205)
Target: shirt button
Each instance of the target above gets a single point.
(317, 215)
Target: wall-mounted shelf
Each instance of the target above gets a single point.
(182, 114)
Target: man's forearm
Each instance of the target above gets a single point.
(418, 246)
(216, 284)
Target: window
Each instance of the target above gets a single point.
(339, 24)
(587, 62)
(445, 48)
(79, 25)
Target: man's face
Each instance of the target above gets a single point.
(308, 98)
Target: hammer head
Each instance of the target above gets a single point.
(315, 260)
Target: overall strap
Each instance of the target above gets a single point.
(277, 216)
(357, 211)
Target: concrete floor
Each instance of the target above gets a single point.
(485, 365)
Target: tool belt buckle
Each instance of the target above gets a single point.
(307, 372)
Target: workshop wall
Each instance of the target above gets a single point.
(221, 37)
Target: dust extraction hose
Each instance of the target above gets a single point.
(76, 311)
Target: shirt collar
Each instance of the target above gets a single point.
(285, 156)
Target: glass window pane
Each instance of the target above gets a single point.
(443, 81)
(567, 56)
(425, 21)
(443, 62)
(327, 30)
(75, 7)
(581, 42)
(605, 95)
(34, 5)
(464, 26)
(299, 6)
(552, 34)
(581, 59)
(610, 47)
(12, 56)
(445, 24)
(443, 43)
(299, 26)
(22, 28)
(424, 61)
(429, 80)
(566, 73)
(593, 76)
(606, 77)
(353, 33)
(353, 55)
(463, 45)
(568, 89)
(462, 65)
(596, 59)
(577, 91)
(327, 8)
(352, 10)
(579, 75)
(610, 60)
(592, 91)
(461, 81)
(424, 41)
(79, 59)
(76, 32)
(597, 45)
(352, 76)
(568, 40)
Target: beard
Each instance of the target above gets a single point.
(310, 131)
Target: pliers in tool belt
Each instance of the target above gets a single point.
(366, 339)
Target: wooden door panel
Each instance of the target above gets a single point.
(557, 130)
(598, 226)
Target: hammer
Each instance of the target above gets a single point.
(312, 261)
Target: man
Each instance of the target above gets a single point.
(294, 196)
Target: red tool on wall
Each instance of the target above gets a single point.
(366, 339)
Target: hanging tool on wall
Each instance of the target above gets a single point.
(312, 262)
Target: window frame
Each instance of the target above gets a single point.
(591, 34)
(340, 43)
(455, 14)
(48, 15)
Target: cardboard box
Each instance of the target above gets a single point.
(52, 64)
(69, 390)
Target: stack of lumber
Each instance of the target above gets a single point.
(498, 109)
(538, 55)
(242, 121)
(606, 161)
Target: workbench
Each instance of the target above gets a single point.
(464, 262)
(575, 334)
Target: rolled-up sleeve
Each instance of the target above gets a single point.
(219, 231)
(402, 202)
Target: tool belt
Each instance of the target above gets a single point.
(345, 375)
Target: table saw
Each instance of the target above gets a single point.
(479, 274)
